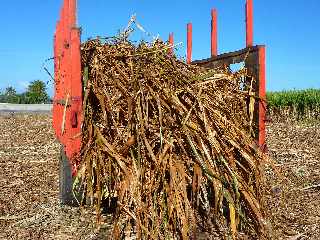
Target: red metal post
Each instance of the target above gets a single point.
(249, 23)
(214, 41)
(189, 42)
(67, 77)
(59, 74)
(262, 95)
(56, 89)
(73, 13)
(171, 43)
(67, 108)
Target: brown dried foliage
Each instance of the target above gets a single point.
(170, 142)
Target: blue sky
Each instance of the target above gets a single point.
(289, 28)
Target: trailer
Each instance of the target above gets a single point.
(68, 85)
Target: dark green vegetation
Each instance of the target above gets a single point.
(299, 103)
(36, 93)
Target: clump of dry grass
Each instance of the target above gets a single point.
(170, 142)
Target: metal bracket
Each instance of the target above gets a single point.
(62, 102)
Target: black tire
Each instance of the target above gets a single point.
(66, 181)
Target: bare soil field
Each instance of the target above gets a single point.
(29, 204)
(295, 203)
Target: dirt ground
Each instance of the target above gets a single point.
(295, 201)
(29, 205)
(29, 183)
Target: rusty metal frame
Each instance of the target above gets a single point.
(254, 59)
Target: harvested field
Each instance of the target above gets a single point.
(29, 207)
(29, 204)
(296, 149)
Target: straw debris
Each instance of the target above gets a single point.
(171, 143)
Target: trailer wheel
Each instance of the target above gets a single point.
(66, 195)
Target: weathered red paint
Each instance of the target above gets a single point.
(262, 95)
(67, 106)
(189, 43)
(214, 33)
(249, 23)
(171, 43)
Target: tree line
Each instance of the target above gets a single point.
(36, 93)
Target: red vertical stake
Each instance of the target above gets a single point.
(75, 113)
(262, 95)
(57, 87)
(171, 43)
(249, 23)
(55, 54)
(189, 42)
(67, 76)
(73, 13)
(214, 40)
(68, 79)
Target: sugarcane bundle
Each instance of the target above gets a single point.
(170, 142)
